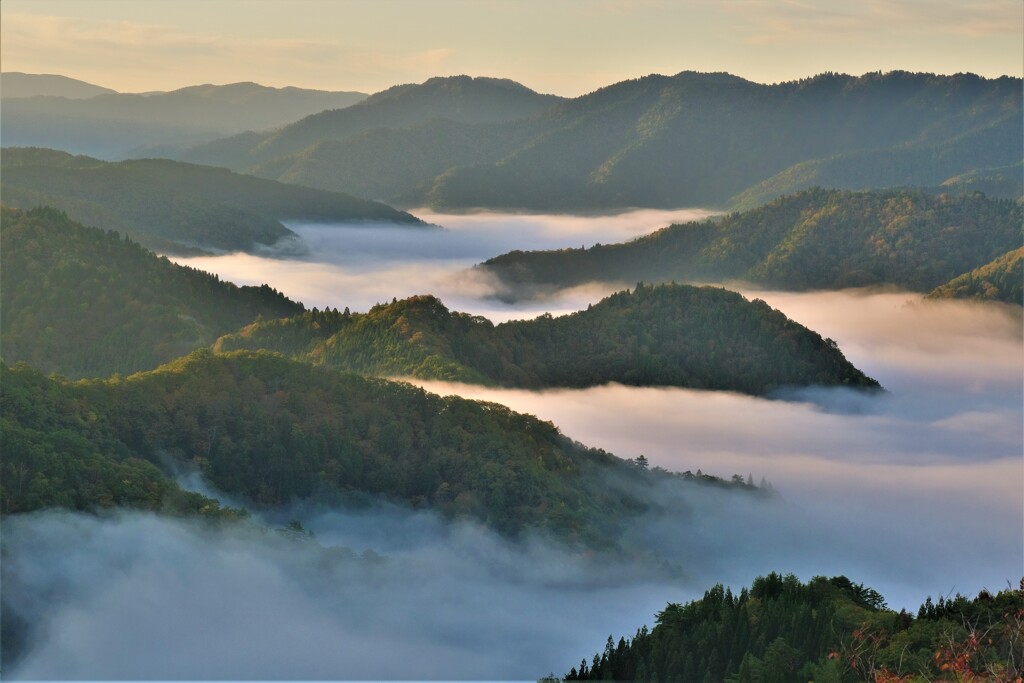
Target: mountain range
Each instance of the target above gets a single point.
(693, 139)
(78, 117)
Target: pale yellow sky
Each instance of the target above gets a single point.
(567, 47)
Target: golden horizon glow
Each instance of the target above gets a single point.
(563, 47)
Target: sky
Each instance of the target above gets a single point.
(563, 47)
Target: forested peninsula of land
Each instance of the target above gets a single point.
(174, 206)
(692, 139)
(828, 630)
(85, 302)
(814, 239)
(999, 280)
(270, 431)
(676, 335)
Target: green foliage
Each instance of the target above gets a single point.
(58, 452)
(815, 239)
(173, 205)
(83, 302)
(269, 431)
(999, 280)
(675, 335)
(782, 630)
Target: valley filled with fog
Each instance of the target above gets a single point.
(915, 492)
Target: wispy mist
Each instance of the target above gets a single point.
(362, 265)
(916, 491)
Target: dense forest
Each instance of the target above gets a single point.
(270, 431)
(677, 335)
(85, 302)
(693, 139)
(814, 239)
(999, 280)
(175, 206)
(825, 630)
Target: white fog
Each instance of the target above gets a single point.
(918, 491)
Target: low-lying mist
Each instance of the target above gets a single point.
(136, 596)
(362, 265)
(916, 491)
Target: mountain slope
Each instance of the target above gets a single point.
(669, 335)
(692, 139)
(117, 125)
(166, 203)
(84, 302)
(270, 431)
(999, 280)
(14, 84)
(459, 98)
(817, 238)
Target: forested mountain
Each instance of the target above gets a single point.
(693, 139)
(1000, 280)
(16, 84)
(676, 335)
(816, 238)
(84, 302)
(459, 99)
(782, 630)
(270, 431)
(174, 206)
(113, 125)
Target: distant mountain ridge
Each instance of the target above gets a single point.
(17, 84)
(460, 99)
(691, 139)
(174, 206)
(113, 125)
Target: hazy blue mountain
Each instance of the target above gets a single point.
(699, 139)
(172, 205)
(16, 84)
(119, 125)
(462, 99)
(658, 141)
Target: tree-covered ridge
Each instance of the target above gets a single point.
(269, 431)
(691, 139)
(814, 239)
(169, 204)
(84, 302)
(999, 280)
(676, 335)
(782, 630)
(57, 452)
